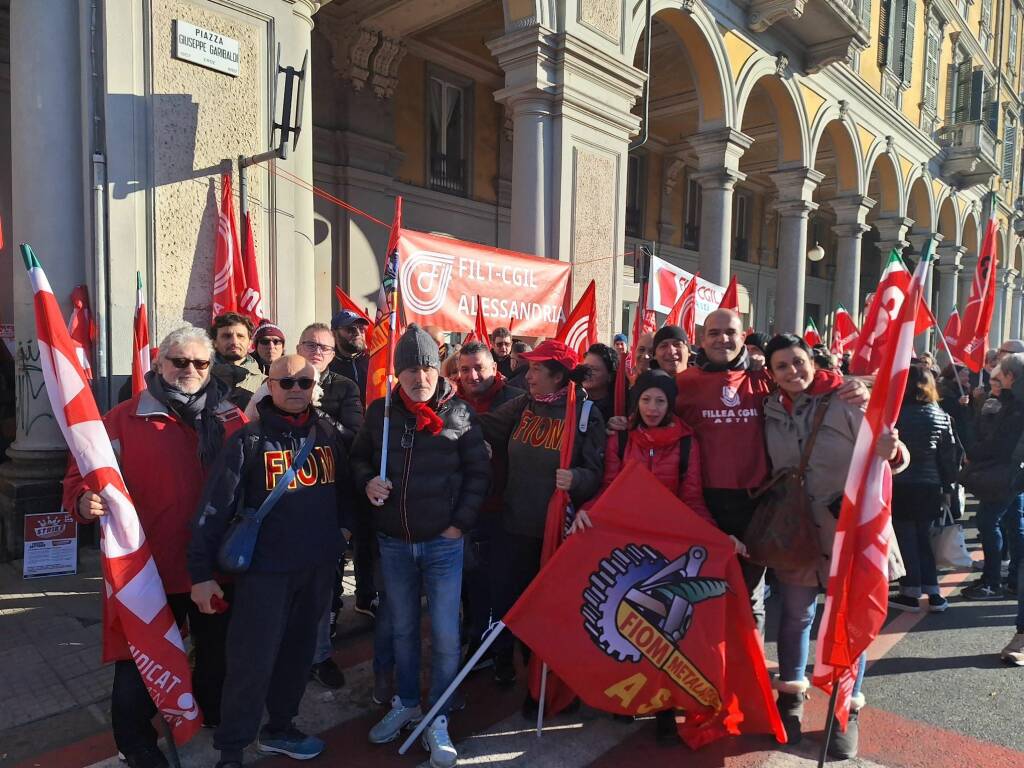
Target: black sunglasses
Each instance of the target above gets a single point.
(185, 362)
(288, 382)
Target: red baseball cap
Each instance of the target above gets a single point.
(553, 350)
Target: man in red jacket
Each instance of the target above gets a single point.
(165, 438)
(721, 396)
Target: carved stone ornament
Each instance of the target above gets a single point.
(781, 64)
(688, 6)
(844, 109)
(384, 67)
(890, 143)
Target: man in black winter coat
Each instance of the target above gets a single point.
(437, 477)
(279, 600)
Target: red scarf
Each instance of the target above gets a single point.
(658, 437)
(822, 383)
(426, 417)
(482, 404)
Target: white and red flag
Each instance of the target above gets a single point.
(885, 305)
(972, 341)
(82, 328)
(579, 330)
(811, 335)
(844, 331)
(684, 311)
(134, 594)
(857, 597)
(250, 296)
(731, 297)
(141, 359)
(952, 330)
(228, 271)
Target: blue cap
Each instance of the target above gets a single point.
(619, 337)
(345, 318)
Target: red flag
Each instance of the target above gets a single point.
(141, 360)
(579, 330)
(885, 305)
(134, 595)
(557, 694)
(972, 342)
(228, 272)
(380, 342)
(644, 321)
(857, 597)
(479, 332)
(250, 296)
(647, 611)
(844, 331)
(731, 297)
(811, 335)
(684, 312)
(952, 330)
(346, 302)
(82, 328)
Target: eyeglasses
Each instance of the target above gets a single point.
(288, 382)
(312, 346)
(185, 362)
(272, 340)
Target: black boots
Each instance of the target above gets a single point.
(843, 746)
(791, 710)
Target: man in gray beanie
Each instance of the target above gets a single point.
(438, 474)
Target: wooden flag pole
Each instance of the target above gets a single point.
(830, 723)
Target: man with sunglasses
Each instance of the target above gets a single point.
(350, 357)
(167, 438)
(279, 600)
(269, 343)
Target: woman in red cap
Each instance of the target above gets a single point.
(526, 435)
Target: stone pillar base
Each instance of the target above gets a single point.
(30, 483)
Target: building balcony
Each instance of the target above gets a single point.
(829, 30)
(970, 153)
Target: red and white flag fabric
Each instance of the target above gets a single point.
(952, 330)
(844, 331)
(250, 295)
(345, 302)
(731, 297)
(579, 330)
(644, 321)
(972, 341)
(811, 335)
(133, 592)
(141, 360)
(684, 311)
(479, 332)
(228, 271)
(885, 305)
(857, 595)
(380, 342)
(82, 328)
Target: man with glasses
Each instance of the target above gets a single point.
(280, 598)
(167, 438)
(269, 343)
(501, 350)
(232, 338)
(350, 357)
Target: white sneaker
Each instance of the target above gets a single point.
(397, 718)
(1014, 652)
(435, 739)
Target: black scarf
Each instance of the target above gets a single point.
(739, 363)
(197, 411)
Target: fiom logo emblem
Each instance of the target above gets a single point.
(425, 278)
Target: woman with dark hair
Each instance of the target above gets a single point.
(806, 399)
(918, 491)
(526, 435)
(955, 399)
(602, 364)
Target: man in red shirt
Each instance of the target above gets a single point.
(721, 397)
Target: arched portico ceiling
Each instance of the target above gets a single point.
(835, 152)
(883, 183)
(969, 233)
(920, 206)
(770, 107)
(947, 220)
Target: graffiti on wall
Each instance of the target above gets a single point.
(30, 394)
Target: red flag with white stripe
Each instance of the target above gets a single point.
(228, 272)
(952, 329)
(82, 328)
(579, 330)
(133, 590)
(972, 342)
(250, 295)
(857, 597)
(141, 360)
(684, 311)
(844, 331)
(885, 306)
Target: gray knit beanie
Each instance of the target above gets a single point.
(415, 349)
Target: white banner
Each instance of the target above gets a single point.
(668, 281)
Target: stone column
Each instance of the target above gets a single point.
(795, 188)
(948, 267)
(532, 166)
(851, 212)
(892, 231)
(1016, 297)
(1005, 279)
(718, 158)
(673, 168)
(970, 265)
(48, 212)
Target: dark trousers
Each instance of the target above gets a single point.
(914, 537)
(477, 605)
(271, 641)
(732, 510)
(131, 708)
(514, 563)
(364, 552)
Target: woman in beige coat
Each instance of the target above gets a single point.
(789, 419)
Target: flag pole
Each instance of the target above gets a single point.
(543, 695)
(393, 320)
(830, 722)
(952, 360)
(488, 640)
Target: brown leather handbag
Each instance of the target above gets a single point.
(782, 533)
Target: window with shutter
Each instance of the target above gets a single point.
(884, 27)
(909, 41)
(962, 103)
(1011, 52)
(898, 37)
(1009, 148)
(985, 30)
(931, 65)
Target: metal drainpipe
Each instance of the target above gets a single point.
(646, 97)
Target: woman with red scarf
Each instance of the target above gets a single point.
(789, 420)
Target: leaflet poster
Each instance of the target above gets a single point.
(51, 545)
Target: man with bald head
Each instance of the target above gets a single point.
(279, 599)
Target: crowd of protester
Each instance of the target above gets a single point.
(472, 452)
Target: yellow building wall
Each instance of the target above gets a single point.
(912, 96)
(410, 120)
(486, 126)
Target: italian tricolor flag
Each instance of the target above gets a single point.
(892, 289)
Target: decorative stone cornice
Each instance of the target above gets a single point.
(764, 13)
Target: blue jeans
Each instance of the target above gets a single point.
(990, 516)
(799, 605)
(435, 567)
(1020, 600)
(383, 637)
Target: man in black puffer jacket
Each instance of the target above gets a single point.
(279, 600)
(437, 477)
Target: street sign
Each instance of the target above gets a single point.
(206, 48)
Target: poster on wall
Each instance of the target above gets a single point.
(668, 281)
(51, 545)
(441, 278)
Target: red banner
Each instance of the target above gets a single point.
(441, 278)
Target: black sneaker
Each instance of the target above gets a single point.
(980, 591)
(147, 757)
(368, 607)
(328, 674)
(905, 603)
(937, 603)
(665, 732)
(843, 745)
(504, 670)
(485, 661)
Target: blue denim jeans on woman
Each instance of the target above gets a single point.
(799, 605)
(990, 517)
(433, 567)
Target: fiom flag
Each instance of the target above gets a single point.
(133, 590)
(579, 330)
(972, 342)
(141, 360)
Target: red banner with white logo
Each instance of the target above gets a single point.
(668, 281)
(441, 278)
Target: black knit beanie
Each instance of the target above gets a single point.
(653, 378)
(670, 333)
